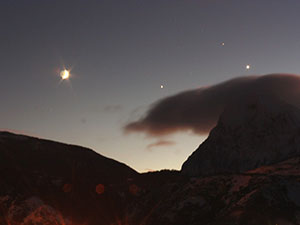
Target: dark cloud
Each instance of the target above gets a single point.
(199, 109)
(160, 143)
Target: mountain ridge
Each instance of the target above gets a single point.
(45, 182)
(247, 136)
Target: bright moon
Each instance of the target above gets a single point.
(65, 74)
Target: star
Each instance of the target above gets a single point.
(161, 86)
(65, 74)
(223, 43)
(248, 67)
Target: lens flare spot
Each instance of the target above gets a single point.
(134, 189)
(67, 188)
(100, 189)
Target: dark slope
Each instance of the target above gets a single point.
(59, 179)
(23, 152)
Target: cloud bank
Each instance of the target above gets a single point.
(198, 110)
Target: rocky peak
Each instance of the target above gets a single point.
(260, 131)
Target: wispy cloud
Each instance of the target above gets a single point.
(159, 143)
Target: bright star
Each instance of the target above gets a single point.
(248, 67)
(65, 74)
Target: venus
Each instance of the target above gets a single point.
(65, 74)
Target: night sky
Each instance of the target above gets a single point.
(123, 56)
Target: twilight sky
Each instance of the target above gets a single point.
(120, 53)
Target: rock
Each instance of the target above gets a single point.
(248, 135)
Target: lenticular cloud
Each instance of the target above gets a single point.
(199, 109)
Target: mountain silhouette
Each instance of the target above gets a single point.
(260, 131)
(247, 172)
